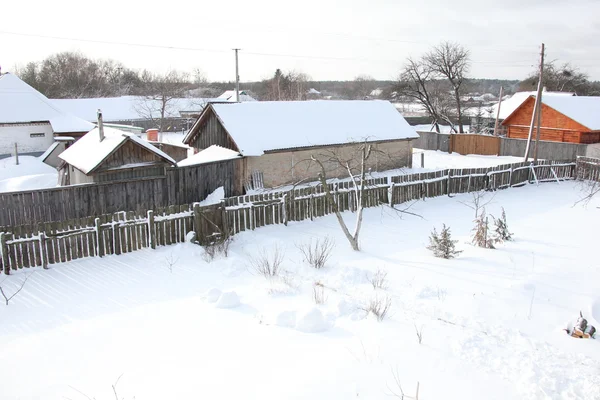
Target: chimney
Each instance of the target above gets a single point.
(152, 135)
(100, 125)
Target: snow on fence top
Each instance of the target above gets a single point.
(20, 103)
(260, 126)
(88, 152)
(210, 154)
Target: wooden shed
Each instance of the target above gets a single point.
(279, 139)
(571, 119)
(110, 155)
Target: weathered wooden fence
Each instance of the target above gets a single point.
(475, 144)
(49, 243)
(179, 186)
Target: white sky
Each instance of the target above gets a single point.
(338, 40)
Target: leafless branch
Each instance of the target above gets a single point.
(7, 299)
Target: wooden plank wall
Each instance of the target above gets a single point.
(180, 186)
(475, 144)
(49, 243)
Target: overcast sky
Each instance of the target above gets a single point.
(325, 39)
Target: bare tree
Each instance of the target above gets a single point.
(451, 61)
(418, 82)
(284, 86)
(562, 78)
(9, 297)
(161, 91)
(478, 201)
(358, 181)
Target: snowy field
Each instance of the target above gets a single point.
(30, 174)
(491, 320)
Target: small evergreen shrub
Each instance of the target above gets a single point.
(442, 244)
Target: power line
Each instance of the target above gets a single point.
(516, 63)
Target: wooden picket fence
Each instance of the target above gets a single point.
(30, 246)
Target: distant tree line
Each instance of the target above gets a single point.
(436, 80)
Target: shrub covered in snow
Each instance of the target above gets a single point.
(379, 306)
(481, 235)
(379, 280)
(501, 230)
(318, 252)
(319, 293)
(442, 244)
(217, 245)
(267, 263)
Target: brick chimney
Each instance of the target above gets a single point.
(152, 135)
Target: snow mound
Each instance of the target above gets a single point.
(228, 300)
(214, 198)
(190, 237)
(213, 295)
(344, 307)
(312, 321)
(286, 319)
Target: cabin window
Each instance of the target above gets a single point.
(33, 135)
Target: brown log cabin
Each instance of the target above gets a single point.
(571, 119)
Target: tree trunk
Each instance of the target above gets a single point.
(458, 111)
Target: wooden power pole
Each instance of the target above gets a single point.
(498, 111)
(237, 76)
(537, 104)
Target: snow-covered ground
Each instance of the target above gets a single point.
(491, 320)
(30, 174)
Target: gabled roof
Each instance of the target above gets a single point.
(229, 95)
(20, 103)
(508, 106)
(261, 126)
(582, 109)
(130, 108)
(88, 153)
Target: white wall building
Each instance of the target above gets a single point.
(29, 120)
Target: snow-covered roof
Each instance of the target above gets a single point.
(509, 105)
(229, 95)
(260, 126)
(583, 109)
(313, 91)
(210, 154)
(88, 152)
(127, 108)
(20, 103)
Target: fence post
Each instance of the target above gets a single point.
(448, 184)
(391, 193)
(43, 250)
(4, 249)
(423, 160)
(198, 223)
(151, 230)
(285, 205)
(99, 237)
(252, 223)
(116, 234)
(510, 171)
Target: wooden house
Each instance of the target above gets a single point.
(108, 154)
(571, 119)
(279, 139)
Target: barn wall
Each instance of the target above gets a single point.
(130, 153)
(285, 167)
(212, 132)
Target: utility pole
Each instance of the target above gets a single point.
(237, 76)
(498, 111)
(537, 105)
(539, 111)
